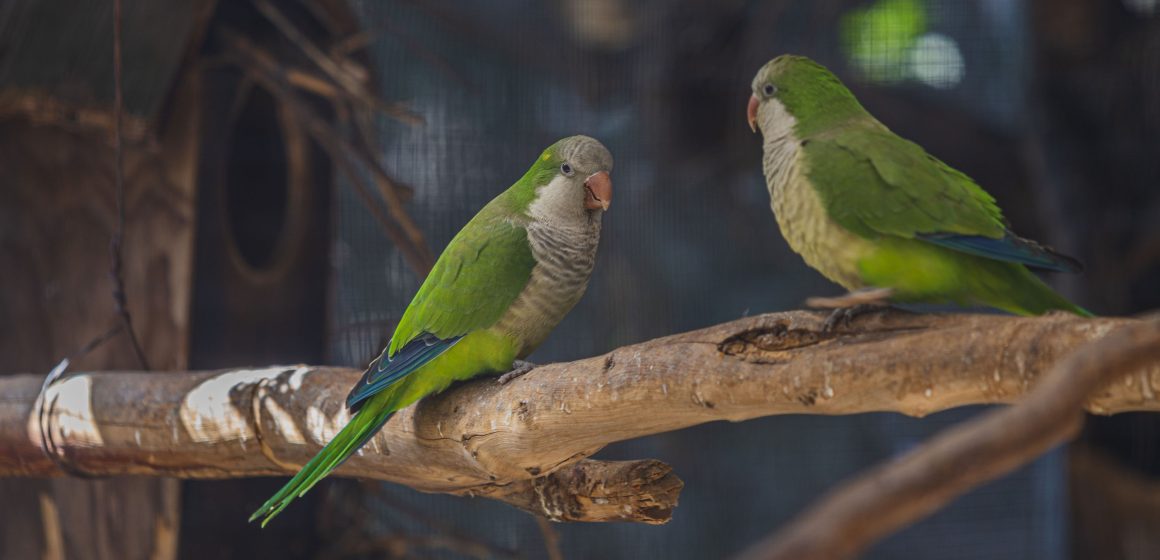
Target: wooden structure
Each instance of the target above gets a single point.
(227, 213)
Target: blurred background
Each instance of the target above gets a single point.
(292, 166)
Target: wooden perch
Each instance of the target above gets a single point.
(903, 491)
(526, 442)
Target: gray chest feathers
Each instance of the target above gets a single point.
(803, 220)
(564, 256)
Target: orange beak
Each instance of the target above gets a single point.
(598, 191)
(751, 112)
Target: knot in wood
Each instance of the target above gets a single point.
(766, 343)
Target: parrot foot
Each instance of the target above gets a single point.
(845, 315)
(519, 367)
(847, 307)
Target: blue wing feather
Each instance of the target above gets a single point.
(386, 371)
(1009, 248)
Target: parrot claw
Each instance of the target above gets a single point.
(519, 367)
(843, 316)
(847, 307)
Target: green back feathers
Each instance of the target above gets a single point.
(483, 269)
(475, 280)
(874, 183)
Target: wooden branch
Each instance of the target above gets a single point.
(345, 73)
(526, 442)
(903, 491)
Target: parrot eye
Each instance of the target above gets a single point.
(769, 89)
(566, 169)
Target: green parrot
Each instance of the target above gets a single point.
(501, 285)
(878, 215)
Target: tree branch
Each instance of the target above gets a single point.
(900, 492)
(525, 442)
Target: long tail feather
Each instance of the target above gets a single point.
(354, 435)
(1024, 293)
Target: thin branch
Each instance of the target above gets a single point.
(896, 494)
(353, 43)
(432, 58)
(115, 249)
(263, 68)
(526, 442)
(421, 262)
(551, 538)
(344, 73)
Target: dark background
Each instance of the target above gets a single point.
(1052, 105)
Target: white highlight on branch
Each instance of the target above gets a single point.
(72, 397)
(207, 413)
(285, 423)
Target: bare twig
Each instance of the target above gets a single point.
(354, 43)
(526, 442)
(421, 262)
(115, 249)
(344, 73)
(365, 142)
(403, 230)
(551, 538)
(432, 58)
(900, 492)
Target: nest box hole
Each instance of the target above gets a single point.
(257, 187)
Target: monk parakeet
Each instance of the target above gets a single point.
(876, 213)
(501, 285)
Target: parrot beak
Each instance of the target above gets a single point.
(751, 113)
(598, 191)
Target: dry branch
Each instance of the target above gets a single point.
(903, 491)
(344, 73)
(263, 67)
(525, 442)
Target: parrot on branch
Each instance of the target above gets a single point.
(502, 284)
(880, 216)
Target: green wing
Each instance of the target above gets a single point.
(874, 183)
(473, 283)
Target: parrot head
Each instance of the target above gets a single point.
(571, 179)
(794, 90)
